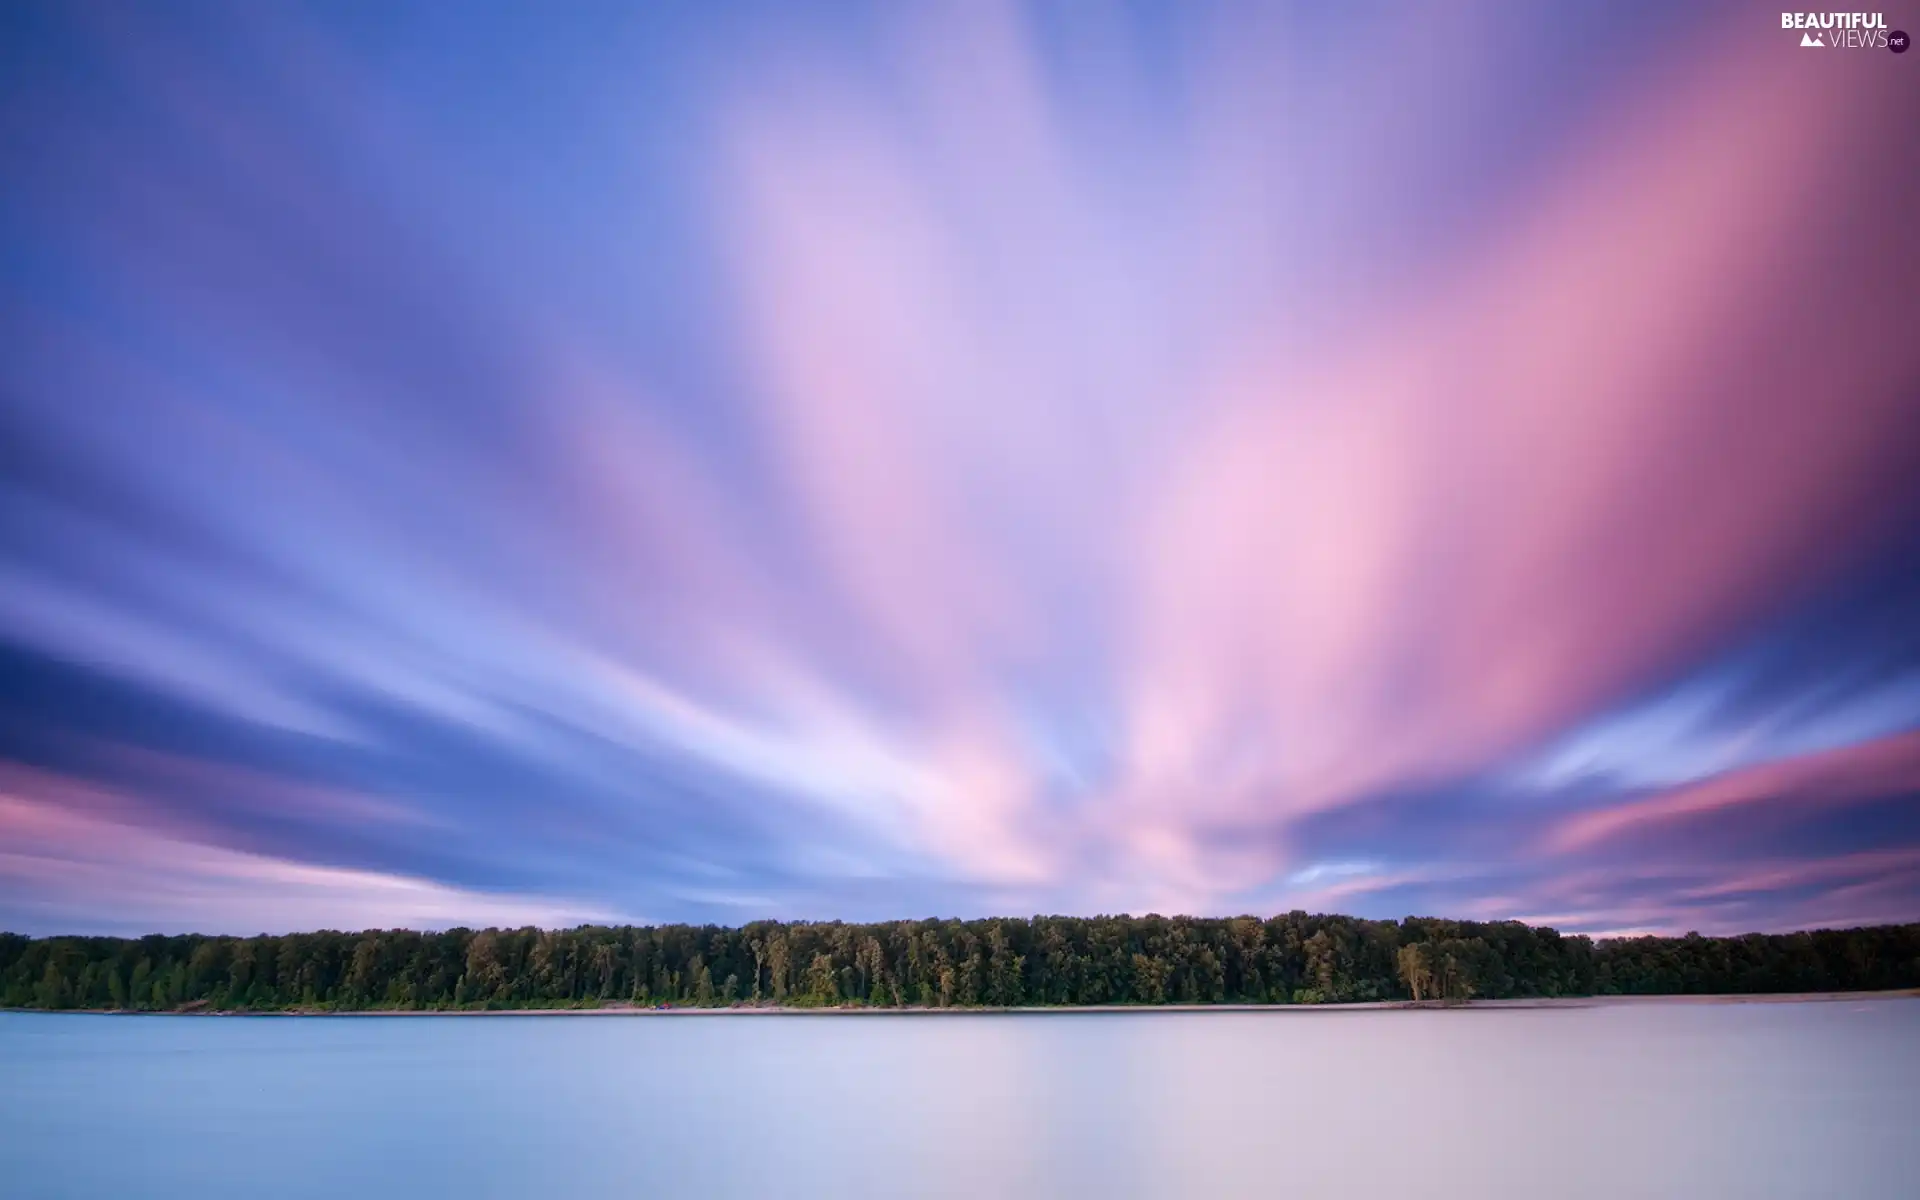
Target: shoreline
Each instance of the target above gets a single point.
(770, 1010)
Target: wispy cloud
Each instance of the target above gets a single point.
(960, 458)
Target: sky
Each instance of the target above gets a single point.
(489, 463)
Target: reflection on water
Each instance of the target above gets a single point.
(1766, 1100)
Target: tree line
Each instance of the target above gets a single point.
(1295, 958)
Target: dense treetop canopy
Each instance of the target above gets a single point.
(1295, 958)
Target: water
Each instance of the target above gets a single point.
(1773, 1100)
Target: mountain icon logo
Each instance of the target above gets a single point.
(1811, 39)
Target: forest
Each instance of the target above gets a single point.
(1295, 958)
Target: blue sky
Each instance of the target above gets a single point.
(481, 464)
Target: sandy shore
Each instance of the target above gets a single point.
(1123, 1009)
(770, 1010)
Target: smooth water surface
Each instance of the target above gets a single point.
(1756, 1100)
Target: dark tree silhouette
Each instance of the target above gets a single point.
(1295, 958)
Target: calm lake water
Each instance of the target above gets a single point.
(1762, 1100)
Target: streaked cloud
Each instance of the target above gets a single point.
(77, 857)
(960, 459)
(1888, 769)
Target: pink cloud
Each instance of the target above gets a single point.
(70, 850)
(1584, 450)
(1776, 895)
(1391, 544)
(1886, 767)
(1865, 869)
(1332, 531)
